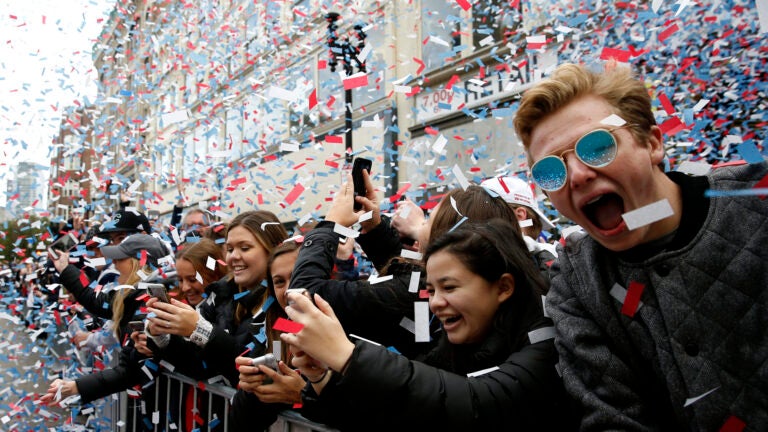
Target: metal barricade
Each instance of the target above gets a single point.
(168, 412)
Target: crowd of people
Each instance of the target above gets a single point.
(651, 317)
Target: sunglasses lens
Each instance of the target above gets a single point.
(549, 173)
(597, 148)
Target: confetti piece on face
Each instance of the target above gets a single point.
(648, 214)
(287, 326)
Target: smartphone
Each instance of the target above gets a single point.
(159, 291)
(63, 244)
(358, 166)
(302, 291)
(136, 326)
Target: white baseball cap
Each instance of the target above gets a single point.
(516, 191)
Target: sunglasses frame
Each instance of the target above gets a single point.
(573, 149)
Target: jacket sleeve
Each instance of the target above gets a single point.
(371, 311)
(381, 243)
(185, 356)
(594, 373)
(220, 353)
(412, 393)
(99, 304)
(251, 414)
(124, 375)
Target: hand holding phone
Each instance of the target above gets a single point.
(358, 181)
(63, 244)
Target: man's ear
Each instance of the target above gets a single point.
(506, 287)
(656, 144)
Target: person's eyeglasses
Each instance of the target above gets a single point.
(596, 149)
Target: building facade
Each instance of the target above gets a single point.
(242, 103)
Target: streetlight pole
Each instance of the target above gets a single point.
(347, 51)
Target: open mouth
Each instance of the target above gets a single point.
(450, 321)
(605, 211)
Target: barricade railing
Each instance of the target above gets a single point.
(169, 409)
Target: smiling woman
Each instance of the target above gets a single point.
(193, 269)
(494, 368)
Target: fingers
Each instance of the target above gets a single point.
(370, 193)
(285, 370)
(268, 371)
(181, 305)
(324, 306)
(243, 361)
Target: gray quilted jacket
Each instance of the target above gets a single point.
(702, 326)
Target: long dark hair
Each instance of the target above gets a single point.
(488, 250)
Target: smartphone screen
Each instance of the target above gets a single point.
(136, 326)
(64, 243)
(158, 290)
(358, 166)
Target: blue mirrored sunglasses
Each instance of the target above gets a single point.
(595, 149)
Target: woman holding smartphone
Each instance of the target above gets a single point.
(262, 390)
(492, 369)
(221, 326)
(138, 253)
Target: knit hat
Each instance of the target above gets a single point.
(518, 192)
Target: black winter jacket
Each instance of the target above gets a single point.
(99, 303)
(228, 339)
(381, 390)
(372, 311)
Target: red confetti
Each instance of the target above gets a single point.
(287, 326)
(672, 126)
(454, 79)
(355, 81)
(334, 139)
(733, 424)
(632, 300)
(294, 193)
(665, 102)
(763, 183)
(667, 32)
(313, 99)
(613, 53)
(464, 4)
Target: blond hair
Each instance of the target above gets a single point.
(118, 299)
(616, 85)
